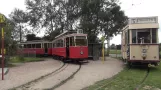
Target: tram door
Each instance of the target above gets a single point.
(67, 47)
(46, 48)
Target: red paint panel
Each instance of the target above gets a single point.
(59, 51)
(75, 52)
(50, 51)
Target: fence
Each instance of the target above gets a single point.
(26, 53)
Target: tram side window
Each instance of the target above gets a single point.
(133, 36)
(57, 43)
(72, 41)
(25, 46)
(154, 35)
(33, 45)
(126, 37)
(61, 43)
(38, 45)
(50, 45)
(28, 45)
(53, 44)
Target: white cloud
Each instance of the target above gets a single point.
(7, 6)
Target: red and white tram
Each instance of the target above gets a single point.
(70, 45)
(38, 47)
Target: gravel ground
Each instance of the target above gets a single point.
(89, 74)
(26, 72)
(92, 72)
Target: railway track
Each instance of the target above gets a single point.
(27, 85)
(144, 78)
(33, 85)
(66, 80)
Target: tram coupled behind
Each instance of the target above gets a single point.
(37, 47)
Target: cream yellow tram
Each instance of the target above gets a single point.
(140, 43)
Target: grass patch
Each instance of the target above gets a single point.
(114, 52)
(17, 59)
(125, 80)
(129, 79)
(153, 80)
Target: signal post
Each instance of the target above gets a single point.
(2, 24)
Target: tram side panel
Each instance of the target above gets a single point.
(61, 51)
(49, 51)
(78, 52)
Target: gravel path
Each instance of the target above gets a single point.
(55, 78)
(92, 72)
(26, 72)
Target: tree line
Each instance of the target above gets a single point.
(55, 16)
(94, 17)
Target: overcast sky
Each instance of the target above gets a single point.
(132, 8)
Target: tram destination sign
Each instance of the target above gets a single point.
(141, 20)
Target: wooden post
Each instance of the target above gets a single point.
(2, 54)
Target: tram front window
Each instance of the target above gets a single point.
(81, 41)
(144, 36)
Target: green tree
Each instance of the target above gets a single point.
(102, 16)
(20, 19)
(31, 37)
(9, 44)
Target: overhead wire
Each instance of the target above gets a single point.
(133, 5)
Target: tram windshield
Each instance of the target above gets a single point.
(144, 36)
(81, 41)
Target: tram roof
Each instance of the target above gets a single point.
(34, 42)
(65, 33)
(142, 23)
(69, 35)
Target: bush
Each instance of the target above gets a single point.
(21, 58)
(5, 61)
